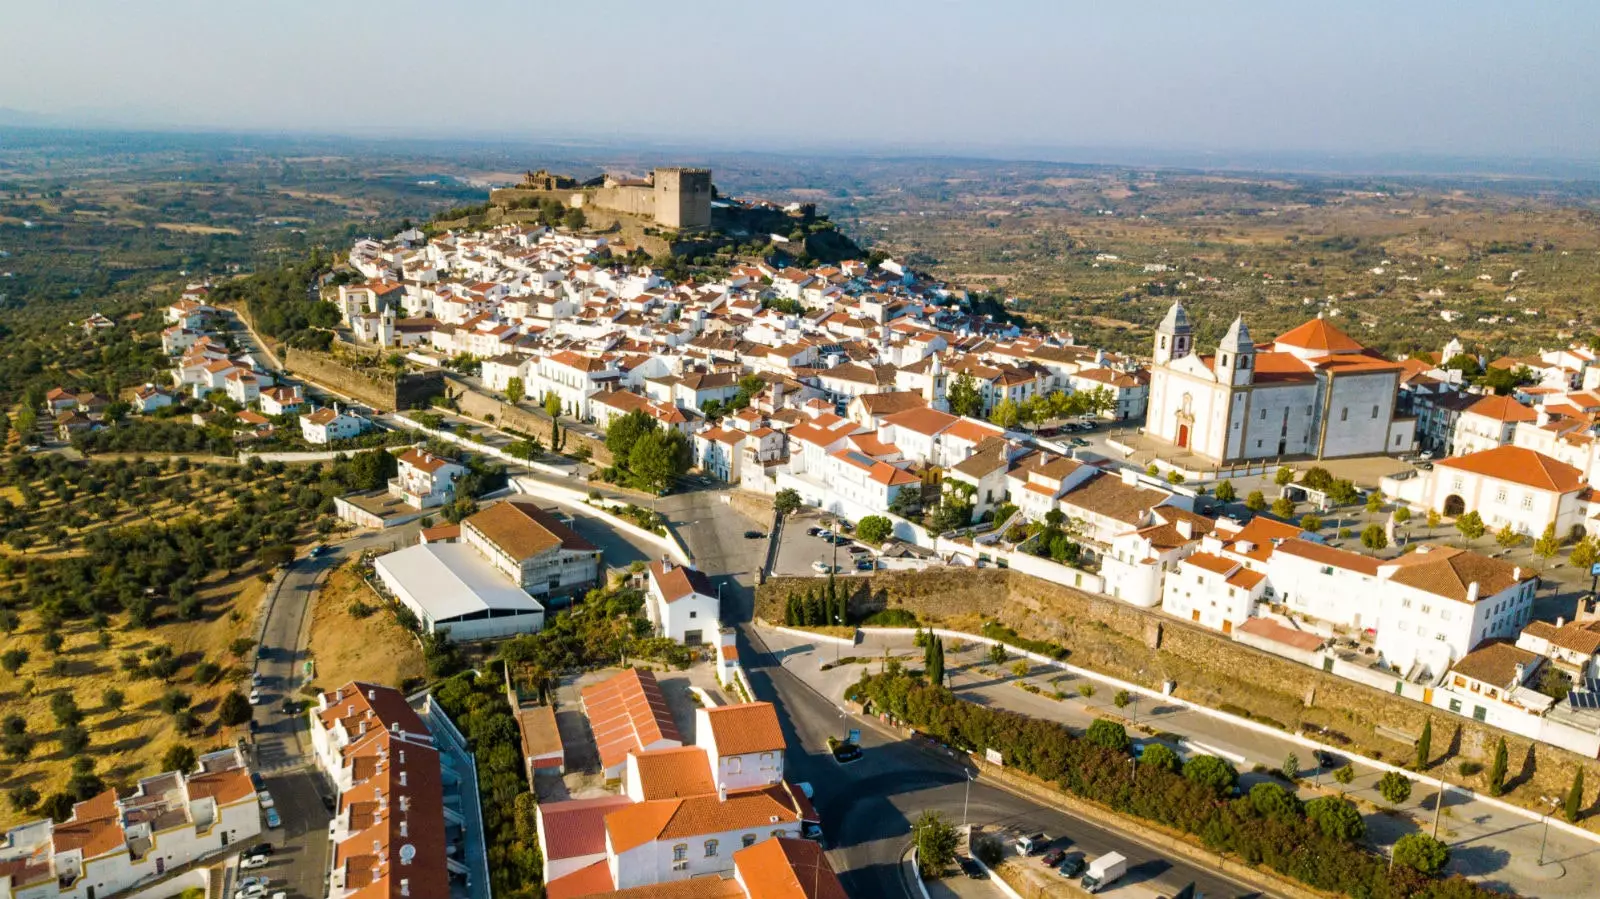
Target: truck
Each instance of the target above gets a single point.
(1103, 872)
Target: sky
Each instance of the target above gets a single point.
(1469, 77)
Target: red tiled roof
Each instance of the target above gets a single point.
(627, 713)
(1519, 466)
(679, 581)
(1319, 335)
(577, 827)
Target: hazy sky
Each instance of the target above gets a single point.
(1465, 77)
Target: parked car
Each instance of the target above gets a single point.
(846, 752)
(1053, 858)
(1072, 865)
(971, 868)
(273, 821)
(255, 678)
(255, 697)
(253, 891)
(821, 567)
(259, 849)
(257, 781)
(253, 862)
(318, 550)
(1079, 442)
(866, 565)
(280, 895)
(856, 548)
(813, 531)
(290, 706)
(1326, 759)
(255, 880)
(266, 799)
(753, 535)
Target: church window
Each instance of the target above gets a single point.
(1244, 362)
(1374, 411)
(1344, 414)
(1263, 415)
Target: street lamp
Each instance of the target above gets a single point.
(1551, 802)
(971, 776)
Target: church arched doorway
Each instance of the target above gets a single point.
(1183, 436)
(1454, 505)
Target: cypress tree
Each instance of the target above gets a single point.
(791, 613)
(935, 660)
(1425, 745)
(1574, 804)
(844, 607)
(810, 609)
(1497, 770)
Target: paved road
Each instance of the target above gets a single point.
(868, 806)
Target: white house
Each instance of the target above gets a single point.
(1213, 591)
(743, 742)
(1490, 422)
(1438, 603)
(533, 548)
(425, 480)
(325, 425)
(1507, 485)
(682, 604)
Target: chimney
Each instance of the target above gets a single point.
(1185, 528)
(405, 886)
(1130, 477)
(1472, 592)
(1516, 573)
(1521, 672)
(1560, 620)
(666, 564)
(402, 778)
(372, 695)
(722, 792)
(338, 695)
(403, 827)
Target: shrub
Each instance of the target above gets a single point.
(1211, 772)
(1161, 757)
(1108, 733)
(1469, 768)
(1122, 699)
(1394, 787)
(1337, 817)
(1422, 853)
(1274, 801)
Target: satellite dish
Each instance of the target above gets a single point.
(407, 853)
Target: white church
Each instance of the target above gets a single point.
(1314, 391)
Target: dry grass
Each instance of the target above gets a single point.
(127, 742)
(373, 649)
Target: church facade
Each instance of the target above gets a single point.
(1313, 391)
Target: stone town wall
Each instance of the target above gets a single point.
(1146, 647)
(379, 390)
(533, 422)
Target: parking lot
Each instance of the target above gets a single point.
(299, 860)
(798, 550)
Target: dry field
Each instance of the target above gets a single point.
(374, 649)
(127, 741)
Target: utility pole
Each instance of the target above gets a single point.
(1438, 806)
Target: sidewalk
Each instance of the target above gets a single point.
(1495, 847)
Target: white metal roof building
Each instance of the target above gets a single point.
(449, 585)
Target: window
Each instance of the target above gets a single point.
(1455, 483)
(1527, 501)
(1374, 411)
(747, 840)
(711, 848)
(777, 833)
(735, 765)
(693, 613)
(1344, 414)
(680, 852)
(1500, 495)
(1263, 415)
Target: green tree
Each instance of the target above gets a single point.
(874, 529)
(552, 405)
(74, 739)
(1006, 414)
(1160, 756)
(1497, 768)
(786, 501)
(1284, 476)
(178, 757)
(1573, 806)
(1283, 507)
(1373, 537)
(1121, 699)
(1317, 478)
(1471, 525)
(65, 709)
(1273, 801)
(997, 654)
(1255, 502)
(658, 459)
(1290, 768)
(1394, 787)
(111, 699)
(1508, 537)
(1402, 514)
(1342, 492)
(1345, 775)
(935, 661)
(963, 396)
(1584, 554)
(1424, 746)
(1310, 522)
(1375, 501)
(1434, 519)
(1212, 773)
(13, 659)
(1174, 477)
(625, 431)
(1108, 733)
(23, 798)
(515, 390)
(1548, 543)
(234, 710)
(936, 844)
(53, 641)
(1337, 817)
(574, 219)
(1421, 853)
(1225, 491)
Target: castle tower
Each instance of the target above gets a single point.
(1236, 355)
(1173, 337)
(386, 327)
(683, 198)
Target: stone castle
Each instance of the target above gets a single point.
(675, 198)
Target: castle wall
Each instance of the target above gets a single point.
(631, 200)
